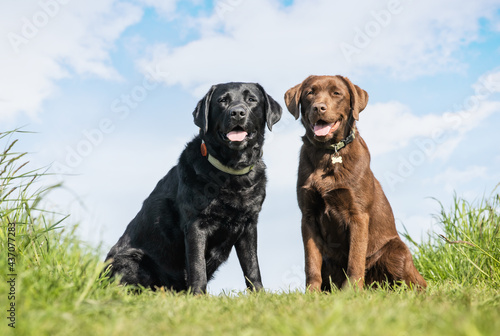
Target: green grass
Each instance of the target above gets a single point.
(468, 251)
(59, 291)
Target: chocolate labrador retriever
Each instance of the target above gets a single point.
(207, 203)
(348, 227)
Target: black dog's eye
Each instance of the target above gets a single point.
(252, 99)
(222, 100)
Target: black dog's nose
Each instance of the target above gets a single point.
(238, 112)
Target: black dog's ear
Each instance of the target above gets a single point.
(200, 114)
(273, 109)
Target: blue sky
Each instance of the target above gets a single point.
(109, 86)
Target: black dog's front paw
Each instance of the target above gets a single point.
(198, 287)
(198, 290)
(257, 287)
(254, 286)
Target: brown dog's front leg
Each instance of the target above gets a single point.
(358, 245)
(313, 257)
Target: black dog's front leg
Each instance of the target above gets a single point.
(246, 249)
(195, 258)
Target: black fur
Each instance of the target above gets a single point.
(196, 214)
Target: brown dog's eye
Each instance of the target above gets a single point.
(336, 93)
(310, 92)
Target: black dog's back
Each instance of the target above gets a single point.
(145, 254)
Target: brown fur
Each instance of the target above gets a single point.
(348, 227)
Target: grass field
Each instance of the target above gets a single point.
(56, 289)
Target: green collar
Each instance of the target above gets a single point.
(342, 143)
(338, 146)
(217, 164)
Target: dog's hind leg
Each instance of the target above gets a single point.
(394, 264)
(411, 274)
(134, 267)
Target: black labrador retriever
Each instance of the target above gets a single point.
(207, 203)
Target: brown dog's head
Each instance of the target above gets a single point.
(328, 105)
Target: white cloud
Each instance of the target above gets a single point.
(261, 40)
(241, 40)
(163, 7)
(401, 126)
(441, 132)
(488, 84)
(452, 177)
(44, 41)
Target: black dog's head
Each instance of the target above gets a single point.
(235, 114)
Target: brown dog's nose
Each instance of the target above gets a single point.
(319, 107)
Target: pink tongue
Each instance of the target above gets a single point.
(237, 135)
(323, 129)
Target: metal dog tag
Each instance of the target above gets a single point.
(336, 159)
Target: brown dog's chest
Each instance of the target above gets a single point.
(330, 205)
(333, 196)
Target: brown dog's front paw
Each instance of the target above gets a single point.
(353, 283)
(313, 286)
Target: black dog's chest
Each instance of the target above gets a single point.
(218, 194)
(222, 239)
(231, 209)
(219, 245)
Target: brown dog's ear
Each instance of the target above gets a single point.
(200, 114)
(273, 109)
(359, 97)
(292, 100)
